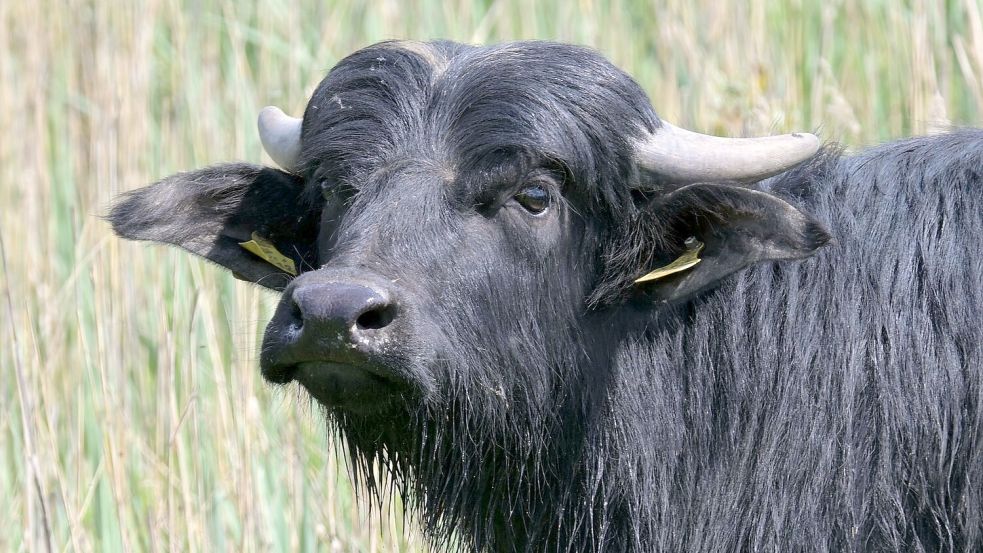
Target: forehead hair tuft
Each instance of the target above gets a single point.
(428, 52)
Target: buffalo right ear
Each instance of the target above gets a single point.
(213, 211)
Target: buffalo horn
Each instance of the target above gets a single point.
(684, 156)
(280, 135)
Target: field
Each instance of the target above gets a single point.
(132, 413)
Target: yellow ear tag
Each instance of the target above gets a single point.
(688, 260)
(268, 252)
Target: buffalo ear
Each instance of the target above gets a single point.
(738, 227)
(210, 212)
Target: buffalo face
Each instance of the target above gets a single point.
(417, 270)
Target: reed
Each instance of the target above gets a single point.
(132, 413)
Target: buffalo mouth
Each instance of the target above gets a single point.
(355, 387)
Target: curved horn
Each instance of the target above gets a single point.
(280, 135)
(686, 157)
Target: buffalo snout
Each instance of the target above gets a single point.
(335, 334)
(355, 311)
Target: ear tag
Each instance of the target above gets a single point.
(265, 249)
(688, 260)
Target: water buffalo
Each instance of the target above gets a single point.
(460, 235)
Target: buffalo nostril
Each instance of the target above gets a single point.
(296, 314)
(376, 318)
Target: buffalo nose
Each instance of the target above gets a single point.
(341, 306)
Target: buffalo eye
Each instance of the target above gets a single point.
(534, 199)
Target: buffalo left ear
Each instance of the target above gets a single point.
(737, 226)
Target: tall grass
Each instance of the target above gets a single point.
(132, 414)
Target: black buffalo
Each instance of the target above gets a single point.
(468, 224)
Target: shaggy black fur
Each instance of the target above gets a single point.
(825, 405)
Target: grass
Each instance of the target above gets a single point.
(132, 413)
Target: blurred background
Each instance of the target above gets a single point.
(132, 413)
